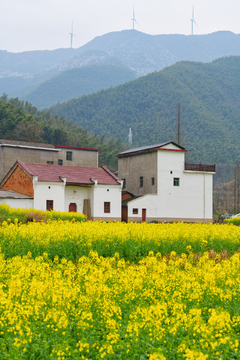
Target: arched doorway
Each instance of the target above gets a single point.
(72, 207)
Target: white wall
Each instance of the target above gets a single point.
(18, 203)
(106, 193)
(44, 191)
(76, 194)
(190, 201)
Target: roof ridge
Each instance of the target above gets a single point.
(111, 174)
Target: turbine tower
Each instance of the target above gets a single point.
(192, 20)
(133, 19)
(71, 33)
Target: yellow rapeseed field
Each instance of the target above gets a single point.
(94, 290)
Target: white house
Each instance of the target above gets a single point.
(166, 188)
(95, 192)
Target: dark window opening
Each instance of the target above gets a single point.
(50, 162)
(153, 181)
(175, 181)
(49, 205)
(124, 183)
(141, 181)
(107, 207)
(60, 161)
(69, 155)
(135, 211)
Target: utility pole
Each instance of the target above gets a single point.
(179, 124)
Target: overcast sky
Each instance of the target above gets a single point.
(46, 24)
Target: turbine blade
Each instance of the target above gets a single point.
(195, 23)
(193, 12)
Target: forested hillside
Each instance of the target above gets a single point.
(73, 83)
(20, 120)
(209, 96)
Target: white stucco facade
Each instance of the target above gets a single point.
(63, 195)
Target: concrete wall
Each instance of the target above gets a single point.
(40, 155)
(79, 157)
(10, 154)
(132, 167)
(18, 203)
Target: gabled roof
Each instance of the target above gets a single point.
(147, 149)
(73, 174)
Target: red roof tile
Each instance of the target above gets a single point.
(73, 174)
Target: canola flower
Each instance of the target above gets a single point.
(107, 308)
(132, 241)
(95, 290)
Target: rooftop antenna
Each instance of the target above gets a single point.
(130, 136)
(71, 33)
(192, 20)
(133, 19)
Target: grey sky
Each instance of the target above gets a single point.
(45, 24)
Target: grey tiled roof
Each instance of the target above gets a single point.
(146, 148)
(8, 194)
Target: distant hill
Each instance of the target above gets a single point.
(74, 83)
(209, 95)
(22, 73)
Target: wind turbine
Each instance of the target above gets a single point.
(192, 19)
(71, 33)
(133, 19)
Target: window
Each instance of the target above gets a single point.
(60, 161)
(175, 181)
(50, 162)
(107, 207)
(135, 211)
(124, 183)
(153, 181)
(69, 155)
(49, 205)
(141, 181)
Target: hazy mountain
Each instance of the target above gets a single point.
(74, 83)
(20, 73)
(209, 95)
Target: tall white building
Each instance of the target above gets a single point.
(164, 186)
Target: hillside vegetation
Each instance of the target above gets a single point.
(21, 121)
(209, 97)
(73, 83)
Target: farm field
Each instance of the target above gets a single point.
(95, 290)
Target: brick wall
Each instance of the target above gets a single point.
(20, 182)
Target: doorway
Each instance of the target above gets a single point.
(144, 211)
(72, 207)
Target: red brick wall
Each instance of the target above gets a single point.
(20, 182)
